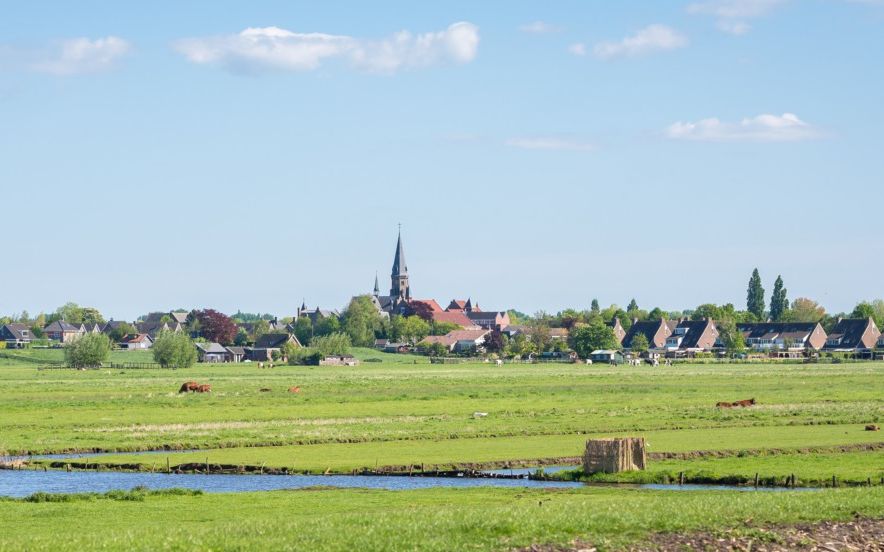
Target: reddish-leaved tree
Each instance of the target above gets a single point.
(216, 326)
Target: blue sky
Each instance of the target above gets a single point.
(248, 155)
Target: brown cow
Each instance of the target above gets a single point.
(204, 388)
(745, 403)
(189, 386)
(294, 389)
(872, 427)
(724, 405)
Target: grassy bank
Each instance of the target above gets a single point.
(438, 519)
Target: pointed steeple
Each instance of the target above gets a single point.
(399, 266)
(377, 287)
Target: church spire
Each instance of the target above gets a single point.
(399, 274)
(377, 287)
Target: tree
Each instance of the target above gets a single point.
(538, 333)
(595, 306)
(640, 343)
(657, 313)
(216, 326)
(259, 328)
(419, 308)
(443, 328)
(87, 351)
(121, 331)
(361, 320)
(415, 329)
(779, 304)
(731, 338)
(495, 342)
(335, 344)
(805, 310)
(863, 309)
(591, 337)
(69, 312)
(174, 350)
(755, 296)
(632, 307)
(304, 330)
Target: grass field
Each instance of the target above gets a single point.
(404, 411)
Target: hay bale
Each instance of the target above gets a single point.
(614, 455)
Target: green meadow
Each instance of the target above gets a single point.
(397, 411)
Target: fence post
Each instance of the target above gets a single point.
(756, 479)
(168, 465)
(834, 482)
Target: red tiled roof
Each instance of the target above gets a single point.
(454, 317)
(434, 306)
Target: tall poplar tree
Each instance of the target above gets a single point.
(755, 296)
(779, 304)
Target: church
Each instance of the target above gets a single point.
(400, 301)
(400, 290)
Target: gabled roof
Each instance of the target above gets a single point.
(454, 317)
(694, 332)
(456, 304)
(18, 331)
(451, 338)
(180, 317)
(851, 331)
(431, 303)
(650, 329)
(136, 338)
(757, 330)
(273, 340)
(62, 326)
(212, 348)
(237, 350)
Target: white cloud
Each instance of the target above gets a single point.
(763, 128)
(273, 48)
(539, 27)
(578, 49)
(653, 38)
(81, 55)
(550, 143)
(732, 15)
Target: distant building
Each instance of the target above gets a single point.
(270, 343)
(655, 331)
(693, 336)
(853, 334)
(784, 336)
(400, 289)
(619, 332)
(155, 327)
(236, 354)
(16, 336)
(62, 331)
(458, 340)
(211, 352)
(339, 360)
(134, 342)
(606, 355)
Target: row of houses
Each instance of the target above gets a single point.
(690, 336)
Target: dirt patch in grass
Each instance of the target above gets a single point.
(859, 534)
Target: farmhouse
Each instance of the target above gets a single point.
(788, 336)
(133, 342)
(16, 336)
(271, 343)
(655, 331)
(619, 332)
(853, 334)
(236, 354)
(62, 331)
(692, 336)
(154, 328)
(459, 340)
(211, 352)
(604, 355)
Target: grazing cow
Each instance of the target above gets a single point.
(204, 388)
(872, 427)
(265, 390)
(188, 386)
(498, 362)
(745, 403)
(295, 389)
(724, 405)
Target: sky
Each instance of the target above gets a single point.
(251, 155)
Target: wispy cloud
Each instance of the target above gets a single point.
(578, 49)
(732, 16)
(273, 48)
(763, 128)
(539, 27)
(653, 38)
(74, 56)
(550, 143)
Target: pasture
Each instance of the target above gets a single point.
(403, 411)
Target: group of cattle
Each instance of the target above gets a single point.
(738, 404)
(194, 387)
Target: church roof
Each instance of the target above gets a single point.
(399, 266)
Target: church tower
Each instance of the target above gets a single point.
(399, 276)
